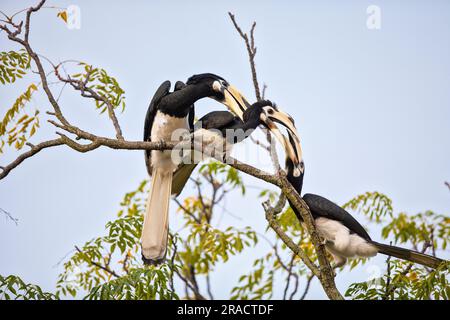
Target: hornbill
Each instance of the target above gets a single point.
(168, 113)
(220, 130)
(344, 236)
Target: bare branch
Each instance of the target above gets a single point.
(28, 16)
(35, 149)
(326, 273)
(308, 285)
(208, 287)
(270, 216)
(251, 50)
(188, 212)
(10, 216)
(264, 91)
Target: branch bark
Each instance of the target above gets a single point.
(324, 272)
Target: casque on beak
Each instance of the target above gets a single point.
(286, 120)
(291, 145)
(237, 103)
(232, 98)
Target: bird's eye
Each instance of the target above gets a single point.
(270, 111)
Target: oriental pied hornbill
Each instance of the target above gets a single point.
(167, 113)
(345, 237)
(220, 130)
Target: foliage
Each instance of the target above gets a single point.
(109, 267)
(405, 281)
(93, 267)
(17, 122)
(17, 125)
(12, 287)
(374, 205)
(139, 284)
(104, 85)
(230, 175)
(81, 271)
(427, 232)
(278, 262)
(63, 15)
(419, 229)
(258, 284)
(13, 65)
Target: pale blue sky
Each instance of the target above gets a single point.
(372, 108)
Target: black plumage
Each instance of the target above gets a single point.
(322, 208)
(169, 113)
(232, 130)
(162, 91)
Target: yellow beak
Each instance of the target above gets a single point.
(235, 101)
(291, 146)
(286, 120)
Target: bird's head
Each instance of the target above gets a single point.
(222, 91)
(269, 115)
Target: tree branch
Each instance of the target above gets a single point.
(325, 274)
(251, 50)
(104, 268)
(83, 88)
(34, 150)
(308, 284)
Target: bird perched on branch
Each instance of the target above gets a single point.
(218, 131)
(168, 116)
(344, 236)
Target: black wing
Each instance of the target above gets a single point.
(162, 91)
(178, 86)
(322, 207)
(219, 120)
(216, 120)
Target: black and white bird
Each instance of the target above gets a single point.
(218, 131)
(344, 236)
(169, 114)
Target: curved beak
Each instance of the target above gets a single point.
(291, 144)
(237, 104)
(234, 100)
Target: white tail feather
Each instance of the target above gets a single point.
(156, 219)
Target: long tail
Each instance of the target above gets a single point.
(410, 255)
(181, 176)
(156, 220)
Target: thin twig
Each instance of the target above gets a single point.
(9, 216)
(308, 285)
(251, 50)
(104, 268)
(34, 150)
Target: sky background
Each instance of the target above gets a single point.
(372, 108)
